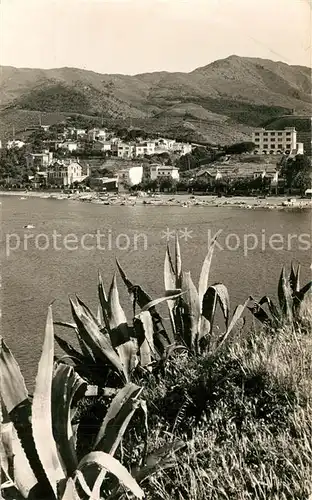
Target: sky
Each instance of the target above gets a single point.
(136, 36)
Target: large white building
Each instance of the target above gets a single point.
(65, 174)
(162, 171)
(132, 175)
(144, 148)
(275, 141)
(97, 134)
(39, 161)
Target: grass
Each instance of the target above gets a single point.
(244, 414)
(247, 422)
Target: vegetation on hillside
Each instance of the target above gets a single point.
(205, 409)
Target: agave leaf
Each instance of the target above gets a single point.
(65, 324)
(70, 492)
(66, 384)
(42, 411)
(99, 343)
(105, 461)
(169, 275)
(69, 349)
(96, 491)
(143, 325)
(272, 308)
(85, 349)
(178, 263)
(6, 451)
(191, 310)
(103, 302)
(297, 286)
(116, 313)
(117, 418)
(224, 300)
(258, 312)
(128, 357)
(170, 283)
(209, 304)
(22, 474)
(285, 295)
(235, 318)
(13, 388)
(169, 295)
(292, 278)
(205, 271)
(99, 315)
(305, 289)
(16, 403)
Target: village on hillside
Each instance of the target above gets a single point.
(66, 156)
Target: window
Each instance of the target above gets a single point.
(265, 146)
(265, 139)
(280, 146)
(272, 146)
(272, 133)
(265, 133)
(279, 133)
(257, 133)
(288, 133)
(257, 139)
(272, 139)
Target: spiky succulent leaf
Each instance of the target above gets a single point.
(13, 388)
(106, 461)
(103, 302)
(117, 418)
(42, 410)
(143, 324)
(258, 312)
(99, 342)
(238, 311)
(13, 455)
(65, 386)
(178, 264)
(191, 310)
(204, 274)
(285, 296)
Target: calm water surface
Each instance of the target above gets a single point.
(33, 278)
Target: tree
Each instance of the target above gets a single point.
(240, 147)
(303, 181)
(297, 168)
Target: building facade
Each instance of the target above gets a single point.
(39, 161)
(274, 141)
(162, 171)
(131, 176)
(69, 145)
(96, 134)
(122, 150)
(65, 174)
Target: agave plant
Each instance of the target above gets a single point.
(110, 348)
(113, 351)
(192, 316)
(291, 299)
(38, 440)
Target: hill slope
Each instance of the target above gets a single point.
(218, 102)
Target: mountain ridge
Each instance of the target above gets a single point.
(226, 98)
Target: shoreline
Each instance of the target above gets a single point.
(163, 199)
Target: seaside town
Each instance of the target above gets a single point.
(89, 163)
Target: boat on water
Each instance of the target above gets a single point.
(29, 226)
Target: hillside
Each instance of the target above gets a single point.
(219, 102)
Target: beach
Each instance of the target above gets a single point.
(169, 199)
